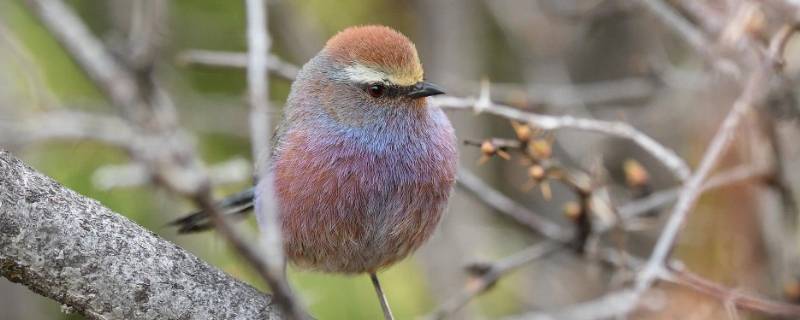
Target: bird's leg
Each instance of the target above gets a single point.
(387, 312)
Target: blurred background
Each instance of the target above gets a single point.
(601, 59)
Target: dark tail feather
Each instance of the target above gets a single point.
(236, 205)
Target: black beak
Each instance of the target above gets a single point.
(424, 89)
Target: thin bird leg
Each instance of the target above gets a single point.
(387, 312)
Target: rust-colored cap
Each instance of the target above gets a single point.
(380, 48)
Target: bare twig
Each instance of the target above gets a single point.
(484, 275)
(592, 93)
(535, 149)
(271, 239)
(661, 198)
(505, 205)
(258, 42)
(737, 298)
(605, 307)
(667, 157)
(108, 177)
(696, 39)
(754, 91)
(227, 59)
(682, 27)
(68, 125)
(692, 190)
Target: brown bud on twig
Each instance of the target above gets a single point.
(537, 172)
(523, 131)
(538, 175)
(488, 149)
(636, 175)
(573, 210)
(540, 149)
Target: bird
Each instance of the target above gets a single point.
(362, 166)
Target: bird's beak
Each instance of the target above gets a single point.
(425, 89)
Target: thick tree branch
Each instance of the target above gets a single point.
(72, 249)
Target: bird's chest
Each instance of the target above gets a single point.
(341, 175)
(353, 202)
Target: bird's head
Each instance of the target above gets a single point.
(380, 60)
(364, 68)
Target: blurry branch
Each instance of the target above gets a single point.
(659, 199)
(707, 16)
(730, 296)
(469, 182)
(108, 177)
(535, 149)
(34, 78)
(159, 144)
(695, 37)
(161, 147)
(225, 59)
(667, 157)
(682, 27)
(102, 265)
(627, 300)
(593, 93)
(118, 83)
(606, 307)
(483, 276)
(755, 90)
(68, 125)
(617, 302)
(148, 22)
(271, 239)
(258, 43)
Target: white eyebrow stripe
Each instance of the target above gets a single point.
(360, 73)
(363, 74)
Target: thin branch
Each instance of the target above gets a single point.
(227, 59)
(258, 43)
(505, 205)
(694, 37)
(661, 198)
(692, 190)
(68, 125)
(678, 23)
(483, 276)
(737, 298)
(591, 93)
(111, 77)
(666, 156)
(754, 91)
(235, 170)
(272, 258)
(605, 307)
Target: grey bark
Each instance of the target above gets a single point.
(98, 263)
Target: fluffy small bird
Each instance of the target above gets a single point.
(362, 166)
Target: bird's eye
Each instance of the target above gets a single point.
(376, 90)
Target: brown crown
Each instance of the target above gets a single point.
(378, 47)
